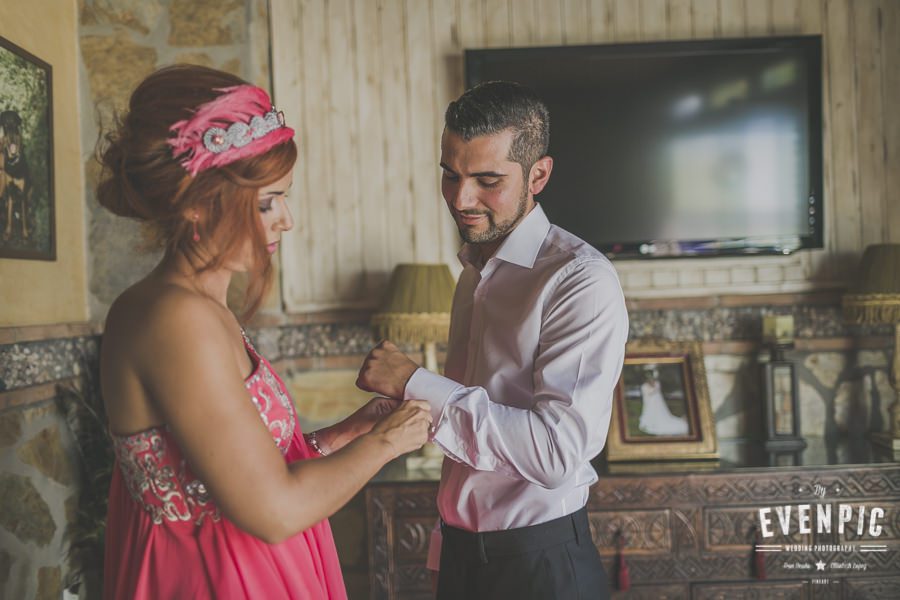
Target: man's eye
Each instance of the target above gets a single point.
(489, 183)
(450, 176)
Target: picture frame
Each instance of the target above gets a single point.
(661, 407)
(27, 198)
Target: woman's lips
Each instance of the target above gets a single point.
(272, 247)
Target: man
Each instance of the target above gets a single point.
(537, 339)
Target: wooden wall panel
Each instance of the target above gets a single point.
(759, 17)
(733, 18)
(575, 22)
(523, 23)
(705, 18)
(550, 25)
(628, 24)
(653, 20)
(602, 21)
(368, 159)
(681, 25)
(870, 120)
(890, 35)
(367, 82)
(842, 151)
(397, 199)
(342, 168)
(427, 205)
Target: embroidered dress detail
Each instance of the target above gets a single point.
(167, 538)
(158, 478)
(265, 385)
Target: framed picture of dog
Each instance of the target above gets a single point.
(661, 408)
(27, 226)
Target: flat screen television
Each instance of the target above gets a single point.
(673, 149)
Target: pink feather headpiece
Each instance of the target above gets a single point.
(240, 123)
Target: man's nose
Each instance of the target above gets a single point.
(464, 197)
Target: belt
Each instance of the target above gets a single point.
(508, 542)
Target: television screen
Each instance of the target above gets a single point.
(696, 148)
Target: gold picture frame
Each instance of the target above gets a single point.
(661, 408)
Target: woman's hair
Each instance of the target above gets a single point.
(141, 178)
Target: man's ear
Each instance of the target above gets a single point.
(539, 174)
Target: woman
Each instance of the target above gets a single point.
(217, 493)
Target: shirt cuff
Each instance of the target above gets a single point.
(434, 550)
(433, 388)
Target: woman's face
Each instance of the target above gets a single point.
(275, 217)
(274, 212)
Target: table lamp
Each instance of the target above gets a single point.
(875, 300)
(416, 310)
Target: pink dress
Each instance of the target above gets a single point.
(166, 539)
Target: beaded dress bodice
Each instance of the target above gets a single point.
(156, 473)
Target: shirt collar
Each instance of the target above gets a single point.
(520, 247)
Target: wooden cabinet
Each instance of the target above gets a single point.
(688, 535)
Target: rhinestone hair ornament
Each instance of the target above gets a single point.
(239, 123)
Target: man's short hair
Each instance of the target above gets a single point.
(495, 106)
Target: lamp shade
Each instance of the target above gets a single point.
(875, 299)
(416, 308)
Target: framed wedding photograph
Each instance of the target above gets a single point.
(661, 408)
(27, 225)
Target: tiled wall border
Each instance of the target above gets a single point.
(33, 357)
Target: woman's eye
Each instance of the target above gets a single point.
(265, 205)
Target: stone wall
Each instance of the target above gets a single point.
(121, 42)
(41, 472)
(38, 493)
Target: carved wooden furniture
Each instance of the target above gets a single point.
(688, 534)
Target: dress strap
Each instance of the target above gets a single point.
(248, 344)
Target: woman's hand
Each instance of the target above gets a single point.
(406, 428)
(362, 421)
(336, 436)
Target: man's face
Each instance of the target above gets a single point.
(485, 191)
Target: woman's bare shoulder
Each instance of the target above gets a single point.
(162, 315)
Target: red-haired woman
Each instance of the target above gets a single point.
(216, 492)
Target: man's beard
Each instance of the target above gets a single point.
(494, 230)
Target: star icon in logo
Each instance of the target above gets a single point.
(820, 566)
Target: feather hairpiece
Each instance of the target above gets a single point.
(237, 124)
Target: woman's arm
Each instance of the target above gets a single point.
(188, 366)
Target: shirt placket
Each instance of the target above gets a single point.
(476, 326)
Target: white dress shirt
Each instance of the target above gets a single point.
(537, 340)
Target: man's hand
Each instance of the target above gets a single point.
(385, 371)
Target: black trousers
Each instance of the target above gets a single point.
(555, 560)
